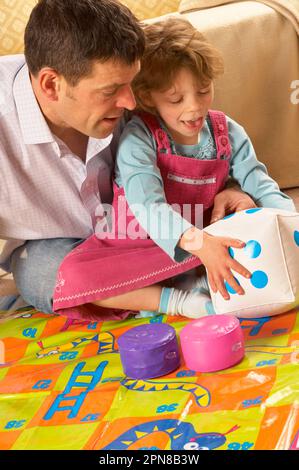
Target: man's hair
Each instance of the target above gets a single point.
(171, 45)
(68, 35)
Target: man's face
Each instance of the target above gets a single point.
(96, 103)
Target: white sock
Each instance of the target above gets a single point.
(202, 283)
(191, 280)
(192, 304)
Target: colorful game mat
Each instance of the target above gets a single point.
(62, 387)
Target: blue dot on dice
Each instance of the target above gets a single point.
(259, 279)
(231, 252)
(229, 216)
(253, 249)
(252, 211)
(296, 237)
(229, 288)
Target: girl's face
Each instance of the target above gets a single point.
(184, 106)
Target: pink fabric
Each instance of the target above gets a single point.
(103, 268)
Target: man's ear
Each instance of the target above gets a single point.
(49, 82)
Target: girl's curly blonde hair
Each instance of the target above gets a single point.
(171, 45)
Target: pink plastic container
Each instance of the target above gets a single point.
(212, 343)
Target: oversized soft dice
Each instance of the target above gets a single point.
(272, 256)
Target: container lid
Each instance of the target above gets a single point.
(209, 327)
(144, 337)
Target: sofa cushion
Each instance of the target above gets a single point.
(294, 194)
(288, 8)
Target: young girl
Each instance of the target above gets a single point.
(174, 150)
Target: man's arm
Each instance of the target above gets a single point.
(231, 199)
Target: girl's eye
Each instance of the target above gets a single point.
(177, 101)
(204, 92)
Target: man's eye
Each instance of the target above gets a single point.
(109, 93)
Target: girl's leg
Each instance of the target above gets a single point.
(146, 298)
(35, 265)
(192, 304)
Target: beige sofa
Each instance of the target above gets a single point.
(261, 52)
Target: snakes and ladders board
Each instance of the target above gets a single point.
(62, 387)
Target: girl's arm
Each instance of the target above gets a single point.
(137, 172)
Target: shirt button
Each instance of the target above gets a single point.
(221, 127)
(223, 141)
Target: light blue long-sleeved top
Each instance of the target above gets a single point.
(137, 172)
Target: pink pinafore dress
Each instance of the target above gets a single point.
(102, 268)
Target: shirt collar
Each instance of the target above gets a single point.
(95, 146)
(34, 127)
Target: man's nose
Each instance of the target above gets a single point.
(126, 99)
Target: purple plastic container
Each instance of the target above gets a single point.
(149, 351)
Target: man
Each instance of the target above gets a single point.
(60, 118)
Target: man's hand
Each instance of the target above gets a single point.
(230, 200)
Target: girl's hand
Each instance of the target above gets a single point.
(214, 254)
